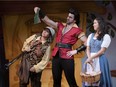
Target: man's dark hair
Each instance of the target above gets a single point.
(76, 15)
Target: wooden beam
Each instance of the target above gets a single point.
(50, 7)
(113, 73)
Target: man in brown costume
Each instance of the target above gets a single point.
(36, 56)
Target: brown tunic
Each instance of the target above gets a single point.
(31, 58)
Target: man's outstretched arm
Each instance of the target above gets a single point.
(45, 18)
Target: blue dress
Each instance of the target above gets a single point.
(100, 63)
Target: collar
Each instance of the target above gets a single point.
(39, 38)
(75, 25)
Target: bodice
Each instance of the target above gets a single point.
(95, 44)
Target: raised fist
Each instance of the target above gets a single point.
(36, 9)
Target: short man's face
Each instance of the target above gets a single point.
(45, 33)
(70, 18)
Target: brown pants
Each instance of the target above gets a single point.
(35, 80)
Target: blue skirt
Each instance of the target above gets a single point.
(105, 80)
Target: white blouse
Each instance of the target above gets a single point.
(106, 40)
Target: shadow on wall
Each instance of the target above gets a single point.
(4, 74)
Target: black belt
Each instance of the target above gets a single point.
(62, 45)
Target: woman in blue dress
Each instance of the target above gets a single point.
(97, 44)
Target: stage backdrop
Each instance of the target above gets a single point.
(17, 28)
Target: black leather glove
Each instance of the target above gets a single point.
(81, 48)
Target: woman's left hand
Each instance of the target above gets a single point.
(32, 69)
(89, 60)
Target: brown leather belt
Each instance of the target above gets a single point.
(62, 45)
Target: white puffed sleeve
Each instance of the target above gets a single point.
(88, 39)
(26, 43)
(106, 41)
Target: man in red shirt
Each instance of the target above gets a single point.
(67, 35)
